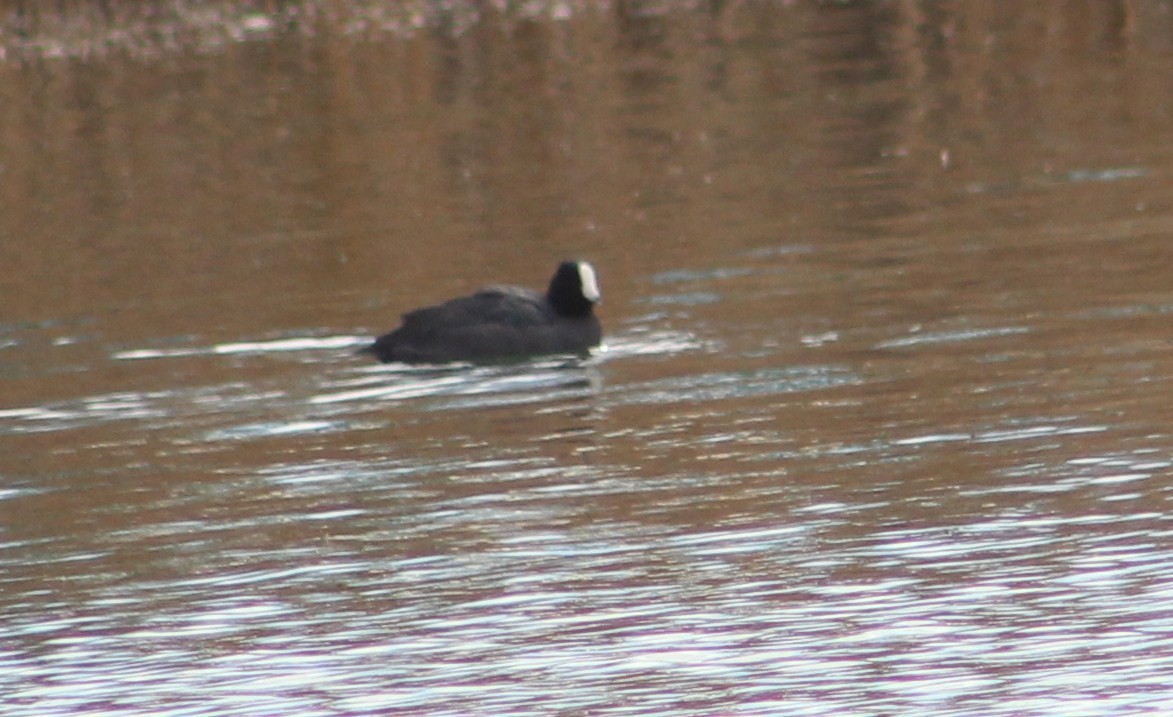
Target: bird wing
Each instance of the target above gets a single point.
(505, 305)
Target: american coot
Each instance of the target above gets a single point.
(501, 322)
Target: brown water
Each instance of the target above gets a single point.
(881, 426)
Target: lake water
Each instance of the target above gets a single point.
(882, 424)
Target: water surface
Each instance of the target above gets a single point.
(880, 425)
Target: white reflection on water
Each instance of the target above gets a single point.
(459, 386)
(437, 572)
(739, 384)
(520, 383)
(496, 586)
(121, 406)
(247, 347)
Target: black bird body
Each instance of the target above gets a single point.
(500, 323)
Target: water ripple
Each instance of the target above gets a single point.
(739, 384)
